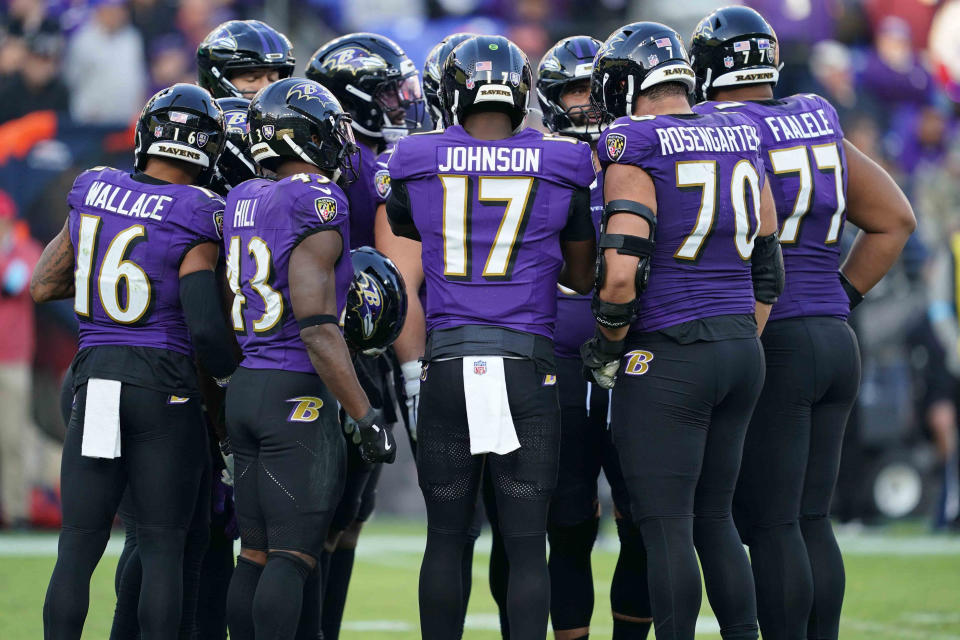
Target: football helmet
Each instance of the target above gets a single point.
(634, 58)
(298, 119)
(376, 302)
(432, 70)
(235, 165)
(486, 73)
(241, 44)
(566, 62)
(375, 81)
(181, 122)
(731, 47)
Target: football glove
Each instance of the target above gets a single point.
(372, 437)
(226, 476)
(411, 386)
(601, 359)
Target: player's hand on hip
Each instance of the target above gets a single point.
(372, 437)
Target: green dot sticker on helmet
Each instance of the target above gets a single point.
(493, 46)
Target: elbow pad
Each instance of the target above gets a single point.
(202, 310)
(766, 267)
(628, 245)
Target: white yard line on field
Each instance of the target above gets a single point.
(379, 545)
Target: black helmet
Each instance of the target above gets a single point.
(433, 69)
(374, 80)
(298, 119)
(733, 46)
(184, 123)
(568, 61)
(487, 72)
(235, 165)
(634, 58)
(376, 302)
(241, 44)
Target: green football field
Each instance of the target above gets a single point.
(901, 585)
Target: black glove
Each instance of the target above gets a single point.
(601, 359)
(374, 440)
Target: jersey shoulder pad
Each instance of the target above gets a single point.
(627, 140)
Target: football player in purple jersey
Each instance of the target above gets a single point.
(792, 452)
(147, 244)
(379, 86)
(289, 267)
(498, 210)
(563, 89)
(240, 57)
(688, 269)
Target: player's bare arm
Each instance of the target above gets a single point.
(52, 279)
(578, 265)
(624, 182)
(405, 253)
(312, 294)
(879, 208)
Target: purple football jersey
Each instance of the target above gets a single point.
(806, 163)
(490, 214)
(708, 174)
(363, 198)
(129, 234)
(575, 321)
(263, 223)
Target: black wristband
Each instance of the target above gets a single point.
(313, 321)
(853, 295)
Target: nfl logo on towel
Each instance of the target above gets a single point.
(479, 367)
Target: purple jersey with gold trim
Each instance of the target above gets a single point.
(708, 175)
(490, 216)
(363, 198)
(575, 320)
(807, 167)
(129, 235)
(263, 223)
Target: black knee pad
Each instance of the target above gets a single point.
(575, 542)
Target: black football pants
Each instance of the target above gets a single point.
(163, 452)
(523, 481)
(680, 414)
(790, 463)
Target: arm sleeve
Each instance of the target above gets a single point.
(579, 219)
(399, 214)
(203, 312)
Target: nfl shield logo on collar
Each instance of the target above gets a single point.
(728, 62)
(616, 143)
(479, 367)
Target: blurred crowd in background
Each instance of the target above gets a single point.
(75, 73)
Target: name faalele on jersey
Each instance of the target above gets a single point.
(802, 145)
(264, 221)
(490, 215)
(708, 174)
(129, 235)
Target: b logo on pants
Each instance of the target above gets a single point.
(307, 409)
(638, 362)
